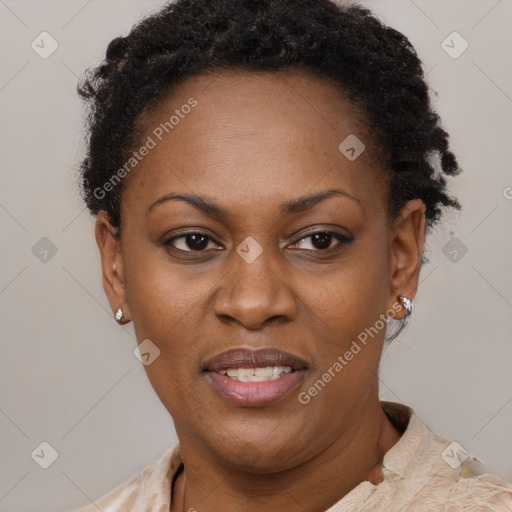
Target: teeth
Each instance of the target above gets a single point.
(266, 371)
(256, 374)
(254, 378)
(245, 372)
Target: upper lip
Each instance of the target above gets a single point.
(246, 358)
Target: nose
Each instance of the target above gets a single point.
(255, 293)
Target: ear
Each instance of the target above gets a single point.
(111, 264)
(406, 248)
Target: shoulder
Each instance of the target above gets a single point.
(426, 472)
(459, 482)
(477, 493)
(122, 497)
(147, 490)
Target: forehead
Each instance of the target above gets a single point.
(254, 136)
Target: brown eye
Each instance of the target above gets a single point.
(189, 242)
(322, 240)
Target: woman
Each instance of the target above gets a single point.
(263, 175)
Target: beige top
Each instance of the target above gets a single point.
(422, 473)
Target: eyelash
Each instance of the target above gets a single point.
(342, 240)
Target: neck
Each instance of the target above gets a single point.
(355, 456)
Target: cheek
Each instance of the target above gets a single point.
(161, 296)
(165, 306)
(352, 295)
(345, 312)
(168, 301)
(171, 305)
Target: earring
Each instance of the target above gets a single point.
(407, 304)
(119, 315)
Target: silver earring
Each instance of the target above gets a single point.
(119, 315)
(407, 304)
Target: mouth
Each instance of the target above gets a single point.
(245, 359)
(255, 378)
(257, 374)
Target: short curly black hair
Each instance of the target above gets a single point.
(376, 66)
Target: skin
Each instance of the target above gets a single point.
(253, 142)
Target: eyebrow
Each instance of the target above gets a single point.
(288, 208)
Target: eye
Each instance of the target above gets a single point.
(322, 241)
(194, 240)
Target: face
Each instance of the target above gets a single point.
(246, 264)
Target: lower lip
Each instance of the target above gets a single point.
(255, 394)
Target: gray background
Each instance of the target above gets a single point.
(68, 375)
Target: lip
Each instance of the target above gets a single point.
(246, 358)
(254, 394)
